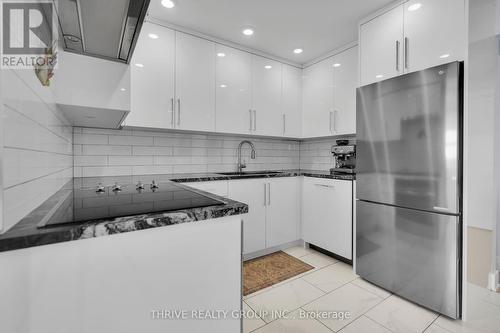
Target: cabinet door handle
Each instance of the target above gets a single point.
(254, 120)
(407, 52)
(179, 111)
(397, 56)
(284, 124)
(265, 194)
(250, 113)
(326, 186)
(335, 121)
(268, 194)
(330, 122)
(172, 109)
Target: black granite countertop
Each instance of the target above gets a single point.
(26, 233)
(203, 177)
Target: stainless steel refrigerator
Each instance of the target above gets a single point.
(409, 186)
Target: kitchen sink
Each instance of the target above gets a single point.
(250, 173)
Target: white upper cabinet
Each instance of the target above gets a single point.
(381, 47)
(413, 36)
(233, 91)
(291, 101)
(152, 78)
(345, 76)
(194, 83)
(317, 110)
(434, 32)
(266, 87)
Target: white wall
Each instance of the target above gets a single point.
(480, 116)
(37, 144)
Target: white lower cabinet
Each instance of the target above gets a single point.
(327, 214)
(274, 211)
(283, 211)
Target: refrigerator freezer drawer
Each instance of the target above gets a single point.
(412, 253)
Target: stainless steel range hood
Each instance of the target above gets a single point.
(101, 28)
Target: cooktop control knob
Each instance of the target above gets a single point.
(139, 186)
(117, 188)
(100, 188)
(154, 185)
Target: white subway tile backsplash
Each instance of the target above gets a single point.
(92, 139)
(156, 152)
(129, 140)
(130, 160)
(102, 171)
(90, 160)
(153, 151)
(106, 150)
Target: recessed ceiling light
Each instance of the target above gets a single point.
(298, 51)
(414, 7)
(168, 3)
(379, 76)
(153, 36)
(337, 65)
(123, 89)
(444, 56)
(247, 32)
(223, 86)
(268, 66)
(139, 65)
(221, 54)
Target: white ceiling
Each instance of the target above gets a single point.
(317, 26)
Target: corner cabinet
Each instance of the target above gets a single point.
(327, 214)
(291, 102)
(410, 37)
(329, 95)
(274, 211)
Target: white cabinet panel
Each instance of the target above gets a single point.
(381, 52)
(327, 214)
(251, 192)
(283, 211)
(292, 101)
(345, 75)
(317, 99)
(267, 96)
(152, 84)
(435, 32)
(234, 90)
(214, 187)
(195, 83)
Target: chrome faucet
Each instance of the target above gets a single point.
(241, 166)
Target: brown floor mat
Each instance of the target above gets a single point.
(262, 272)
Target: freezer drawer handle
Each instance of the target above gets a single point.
(323, 185)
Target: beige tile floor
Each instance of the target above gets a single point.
(333, 286)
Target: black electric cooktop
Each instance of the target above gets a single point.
(106, 201)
